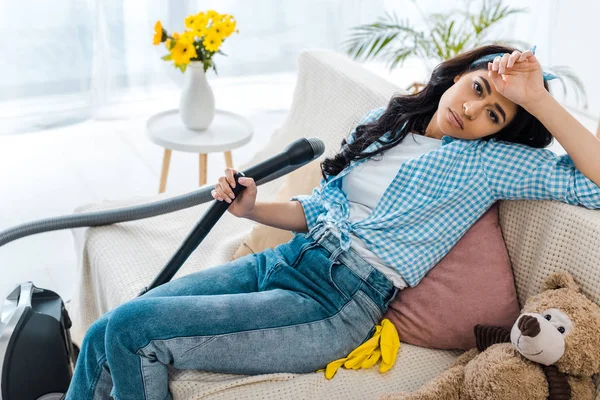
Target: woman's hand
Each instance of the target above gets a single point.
(518, 77)
(244, 203)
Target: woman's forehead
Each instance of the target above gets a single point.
(489, 89)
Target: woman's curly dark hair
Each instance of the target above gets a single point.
(418, 109)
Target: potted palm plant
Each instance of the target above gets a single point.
(448, 34)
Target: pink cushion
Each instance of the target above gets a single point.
(473, 284)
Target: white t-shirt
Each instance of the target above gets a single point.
(365, 185)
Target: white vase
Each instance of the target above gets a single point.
(197, 101)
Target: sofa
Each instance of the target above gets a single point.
(332, 93)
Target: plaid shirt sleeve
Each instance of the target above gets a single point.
(520, 172)
(313, 203)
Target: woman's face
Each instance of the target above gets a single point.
(481, 110)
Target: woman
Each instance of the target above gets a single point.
(476, 135)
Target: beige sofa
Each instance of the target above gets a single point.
(331, 95)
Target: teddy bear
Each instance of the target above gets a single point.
(551, 352)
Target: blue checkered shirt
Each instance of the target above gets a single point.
(435, 198)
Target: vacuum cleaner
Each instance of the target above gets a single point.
(37, 356)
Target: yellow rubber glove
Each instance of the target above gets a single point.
(390, 343)
(358, 355)
(372, 359)
(332, 367)
(367, 354)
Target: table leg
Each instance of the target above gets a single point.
(203, 167)
(165, 170)
(228, 159)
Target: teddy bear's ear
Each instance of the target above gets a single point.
(561, 280)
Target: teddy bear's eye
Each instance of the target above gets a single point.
(561, 329)
(548, 317)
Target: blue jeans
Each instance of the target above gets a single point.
(292, 309)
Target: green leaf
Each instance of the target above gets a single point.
(391, 40)
(400, 57)
(167, 57)
(182, 67)
(369, 41)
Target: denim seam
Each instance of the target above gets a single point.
(369, 302)
(365, 280)
(201, 344)
(261, 329)
(273, 269)
(383, 296)
(373, 269)
(303, 250)
(97, 373)
(331, 265)
(143, 377)
(351, 250)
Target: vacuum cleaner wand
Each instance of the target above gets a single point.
(296, 154)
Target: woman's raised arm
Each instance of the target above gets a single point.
(519, 78)
(578, 142)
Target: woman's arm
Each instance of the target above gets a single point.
(287, 215)
(519, 78)
(578, 142)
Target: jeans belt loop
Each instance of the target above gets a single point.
(313, 233)
(335, 254)
(320, 231)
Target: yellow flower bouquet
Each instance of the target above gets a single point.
(204, 34)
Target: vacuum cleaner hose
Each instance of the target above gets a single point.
(297, 154)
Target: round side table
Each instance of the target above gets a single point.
(227, 131)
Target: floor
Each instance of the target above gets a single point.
(49, 173)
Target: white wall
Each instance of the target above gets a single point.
(566, 33)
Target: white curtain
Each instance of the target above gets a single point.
(69, 60)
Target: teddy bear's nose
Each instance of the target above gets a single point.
(529, 326)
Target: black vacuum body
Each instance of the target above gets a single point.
(37, 355)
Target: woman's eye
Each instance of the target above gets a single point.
(493, 116)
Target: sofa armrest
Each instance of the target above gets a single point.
(543, 237)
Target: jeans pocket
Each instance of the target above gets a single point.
(343, 279)
(289, 255)
(301, 252)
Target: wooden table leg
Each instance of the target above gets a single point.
(228, 159)
(203, 166)
(165, 170)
